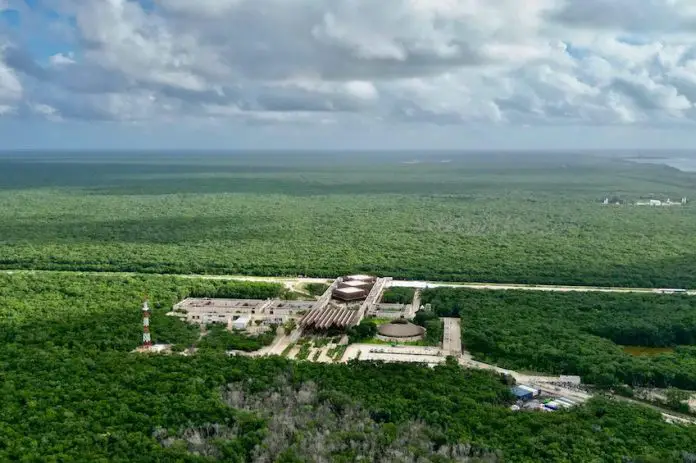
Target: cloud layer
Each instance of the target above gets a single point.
(544, 62)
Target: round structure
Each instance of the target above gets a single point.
(400, 331)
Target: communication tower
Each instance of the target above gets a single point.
(147, 341)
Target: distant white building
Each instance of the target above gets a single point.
(657, 202)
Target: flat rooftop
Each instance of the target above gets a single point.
(213, 305)
(360, 277)
(356, 283)
(296, 305)
(350, 290)
(210, 303)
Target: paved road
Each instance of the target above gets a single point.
(293, 282)
(552, 288)
(277, 347)
(452, 337)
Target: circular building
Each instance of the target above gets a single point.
(400, 331)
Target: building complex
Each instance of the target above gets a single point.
(345, 303)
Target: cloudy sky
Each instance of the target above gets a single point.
(347, 73)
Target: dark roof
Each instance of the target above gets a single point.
(519, 392)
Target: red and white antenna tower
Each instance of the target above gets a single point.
(147, 341)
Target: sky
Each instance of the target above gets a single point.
(347, 74)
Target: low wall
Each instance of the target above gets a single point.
(408, 339)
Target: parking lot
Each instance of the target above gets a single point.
(415, 354)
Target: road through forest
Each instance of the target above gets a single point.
(295, 282)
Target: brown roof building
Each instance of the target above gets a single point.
(356, 284)
(401, 330)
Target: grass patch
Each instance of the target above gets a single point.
(303, 354)
(338, 353)
(218, 338)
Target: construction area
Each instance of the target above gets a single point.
(320, 326)
(205, 311)
(345, 303)
(318, 331)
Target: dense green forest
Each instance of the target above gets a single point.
(219, 339)
(526, 218)
(430, 320)
(72, 391)
(578, 333)
(398, 295)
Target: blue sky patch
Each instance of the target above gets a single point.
(10, 18)
(577, 52)
(633, 39)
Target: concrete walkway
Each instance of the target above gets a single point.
(415, 305)
(452, 336)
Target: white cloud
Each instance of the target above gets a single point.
(362, 89)
(440, 61)
(645, 17)
(205, 8)
(46, 111)
(61, 59)
(11, 89)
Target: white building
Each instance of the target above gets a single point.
(240, 323)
